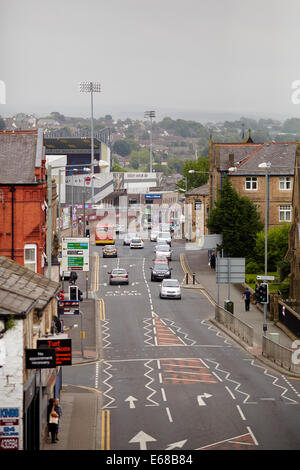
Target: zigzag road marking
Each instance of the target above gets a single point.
(292, 402)
(238, 385)
(153, 402)
(218, 333)
(111, 400)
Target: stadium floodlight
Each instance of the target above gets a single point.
(150, 115)
(91, 87)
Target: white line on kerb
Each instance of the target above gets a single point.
(241, 413)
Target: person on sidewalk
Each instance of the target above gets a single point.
(58, 410)
(53, 423)
(247, 296)
(212, 260)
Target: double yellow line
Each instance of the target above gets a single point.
(96, 273)
(102, 309)
(105, 430)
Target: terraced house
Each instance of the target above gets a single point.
(240, 161)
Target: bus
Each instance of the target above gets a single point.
(104, 234)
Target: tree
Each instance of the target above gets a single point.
(194, 180)
(277, 246)
(121, 147)
(237, 220)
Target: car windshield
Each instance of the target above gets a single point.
(171, 283)
(109, 248)
(164, 248)
(136, 240)
(118, 271)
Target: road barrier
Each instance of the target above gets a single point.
(282, 356)
(238, 327)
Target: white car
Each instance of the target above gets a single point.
(153, 235)
(163, 250)
(128, 237)
(164, 236)
(170, 288)
(136, 243)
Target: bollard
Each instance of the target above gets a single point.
(187, 278)
(194, 282)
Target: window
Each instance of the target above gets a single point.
(251, 183)
(285, 213)
(30, 257)
(285, 183)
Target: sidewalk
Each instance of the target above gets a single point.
(81, 419)
(197, 262)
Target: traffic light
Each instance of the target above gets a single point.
(263, 293)
(73, 292)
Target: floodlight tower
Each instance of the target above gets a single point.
(151, 115)
(91, 87)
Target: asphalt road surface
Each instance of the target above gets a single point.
(170, 379)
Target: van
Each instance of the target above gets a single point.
(164, 237)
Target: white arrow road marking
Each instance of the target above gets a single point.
(176, 445)
(131, 400)
(202, 402)
(142, 438)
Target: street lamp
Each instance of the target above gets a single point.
(91, 87)
(266, 166)
(151, 115)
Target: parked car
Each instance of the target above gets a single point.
(163, 250)
(160, 271)
(128, 237)
(136, 243)
(109, 251)
(164, 236)
(118, 276)
(170, 288)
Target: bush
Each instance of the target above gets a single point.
(252, 267)
(284, 269)
(284, 288)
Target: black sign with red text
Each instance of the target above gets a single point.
(63, 349)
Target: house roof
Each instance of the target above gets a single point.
(200, 191)
(21, 289)
(20, 153)
(247, 157)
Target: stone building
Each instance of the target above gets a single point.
(28, 307)
(293, 254)
(197, 208)
(249, 180)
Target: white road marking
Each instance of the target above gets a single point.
(169, 415)
(230, 392)
(252, 435)
(241, 413)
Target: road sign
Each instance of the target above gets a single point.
(230, 270)
(75, 254)
(265, 278)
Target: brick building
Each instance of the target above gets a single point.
(22, 198)
(250, 181)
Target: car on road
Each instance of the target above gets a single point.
(170, 288)
(118, 276)
(164, 236)
(128, 237)
(153, 235)
(163, 250)
(161, 259)
(136, 243)
(160, 271)
(109, 251)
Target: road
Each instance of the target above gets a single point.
(170, 379)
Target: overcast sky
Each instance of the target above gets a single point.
(172, 56)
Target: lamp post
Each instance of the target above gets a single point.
(266, 166)
(91, 87)
(151, 115)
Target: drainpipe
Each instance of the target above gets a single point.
(12, 190)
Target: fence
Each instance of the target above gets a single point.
(289, 318)
(281, 355)
(238, 327)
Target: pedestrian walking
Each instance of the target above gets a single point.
(52, 420)
(212, 260)
(247, 296)
(58, 410)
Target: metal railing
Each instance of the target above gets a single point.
(238, 327)
(282, 356)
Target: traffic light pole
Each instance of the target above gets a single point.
(266, 244)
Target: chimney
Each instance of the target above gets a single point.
(231, 160)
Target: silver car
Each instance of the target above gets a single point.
(170, 288)
(118, 276)
(163, 250)
(128, 237)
